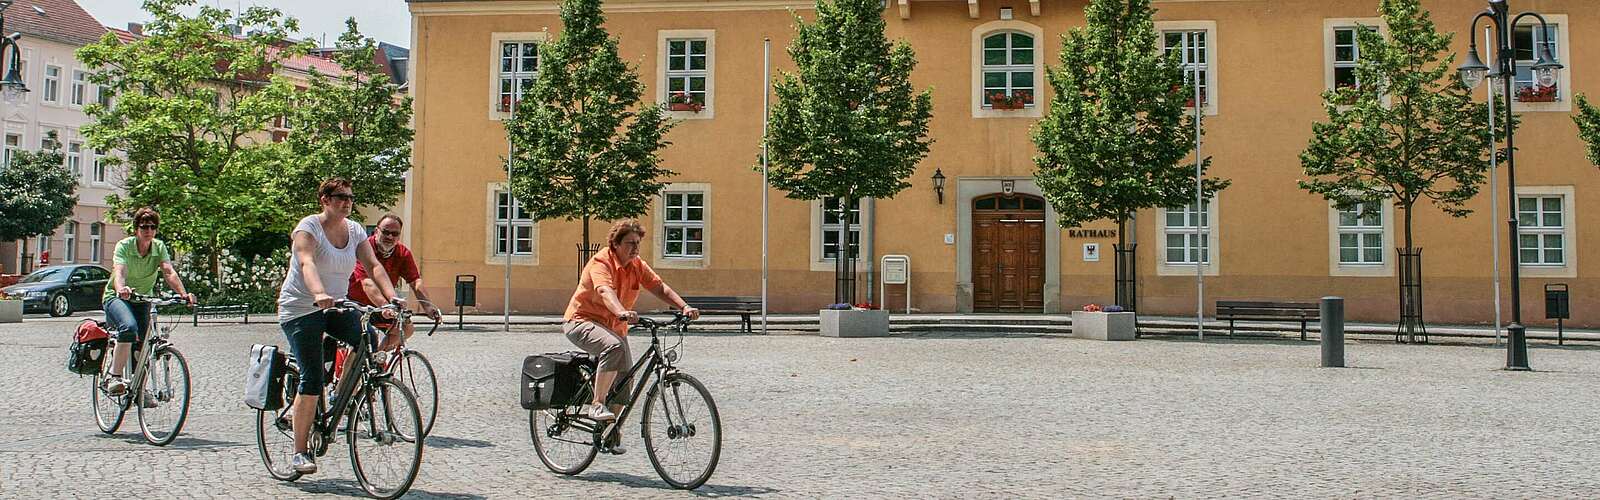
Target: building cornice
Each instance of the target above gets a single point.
(504, 7)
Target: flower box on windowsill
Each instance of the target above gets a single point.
(692, 107)
(1536, 94)
(1007, 106)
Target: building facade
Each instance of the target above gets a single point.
(52, 30)
(987, 241)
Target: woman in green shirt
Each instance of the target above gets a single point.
(134, 266)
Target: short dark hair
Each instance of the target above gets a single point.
(146, 215)
(622, 229)
(331, 186)
(390, 216)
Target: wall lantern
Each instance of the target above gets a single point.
(938, 184)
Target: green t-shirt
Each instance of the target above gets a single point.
(140, 271)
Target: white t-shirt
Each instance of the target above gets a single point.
(334, 266)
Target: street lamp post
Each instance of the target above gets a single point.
(11, 87)
(1472, 73)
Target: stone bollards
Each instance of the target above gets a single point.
(1332, 332)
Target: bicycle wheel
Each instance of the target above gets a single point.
(563, 447)
(166, 385)
(385, 450)
(416, 373)
(680, 410)
(275, 435)
(108, 411)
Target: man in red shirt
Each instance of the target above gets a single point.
(399, 264)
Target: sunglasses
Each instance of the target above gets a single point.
(391, 233)
(343, 196)
(151, 227)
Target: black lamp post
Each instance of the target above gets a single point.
(1472, 73)
(11, 87)
(938, 184)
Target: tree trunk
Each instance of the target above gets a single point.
(1410, 286)
(843, 285)
(1124, 277)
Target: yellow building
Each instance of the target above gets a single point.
(1266, 61)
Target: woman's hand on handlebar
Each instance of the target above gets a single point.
(691, 313)
(323, 300)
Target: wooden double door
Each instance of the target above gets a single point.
(1008, 253)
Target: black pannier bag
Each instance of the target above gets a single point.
(551, 380)
(88, 348)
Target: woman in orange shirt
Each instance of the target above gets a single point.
(601, 309)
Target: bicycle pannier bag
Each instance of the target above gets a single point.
(551, 380)
(263, 388)
(88, 348)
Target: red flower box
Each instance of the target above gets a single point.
(1017, 100)
(1535, 93)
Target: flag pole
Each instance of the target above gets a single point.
(766, 92)
(1494, 209)
(511, 202)
(1199, 202)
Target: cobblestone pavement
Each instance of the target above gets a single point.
(946, 415)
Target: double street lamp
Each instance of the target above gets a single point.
(1472, 73)
(11, 87)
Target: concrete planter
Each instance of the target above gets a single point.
(853, 323)
(1103, 325)
(10, 311)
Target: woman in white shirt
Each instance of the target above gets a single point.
(325, 248)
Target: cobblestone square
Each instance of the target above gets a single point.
(915, 415)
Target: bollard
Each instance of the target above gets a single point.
(1332, 332)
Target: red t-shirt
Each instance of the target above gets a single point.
(398, 265)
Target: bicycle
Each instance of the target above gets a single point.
(567, 441)
(161, 364)
(414, 371)
(382, 415)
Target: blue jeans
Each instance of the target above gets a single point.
(305, 343)
(130, 320)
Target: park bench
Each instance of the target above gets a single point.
(743, 307)
(222, 311)
(1238, 310)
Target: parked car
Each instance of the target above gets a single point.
(60, 290)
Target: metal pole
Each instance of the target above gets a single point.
(1332, 335)
(511, 202)
(1516, 340)
(766, 93)
(1199, 199)
(1494, 205)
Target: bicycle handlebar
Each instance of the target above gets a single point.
(161, 300)
(678, 318)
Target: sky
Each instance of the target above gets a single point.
(384, 20)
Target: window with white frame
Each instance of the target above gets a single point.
(519, 65)
(99, 167)
(833, 221)
(1541, 226)
(1347, 54)
(103, 94)
(71, 234)
(1189, 48)
(75, 159)
(95, 230)
(49, 141)
(687, 71)
(1184, 246)
(1360, 233)
(44, 243)
(683, 225)
(513, 227)
(80, 88)
(13, 144)
(1528, 39)
(52, 84)
(1008, 70)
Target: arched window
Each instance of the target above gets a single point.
(1008, 70)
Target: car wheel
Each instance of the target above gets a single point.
(59, 306)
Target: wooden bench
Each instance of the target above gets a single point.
(1238, 310)
(222, 311)
(744, 307)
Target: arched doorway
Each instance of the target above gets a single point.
(1008, 253)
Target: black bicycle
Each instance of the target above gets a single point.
(384, 429)
(158, 382)
(681, 430)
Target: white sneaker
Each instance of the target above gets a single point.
(303, 463)
(115, 386)
(598, 413)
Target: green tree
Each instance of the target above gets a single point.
(1117, 135)
(848, 124)
(190, 122)
(1408, 131)
(36, 194)
(584, 146)
(349, 125)
(1588, 120)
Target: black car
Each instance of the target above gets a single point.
(60, 290)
